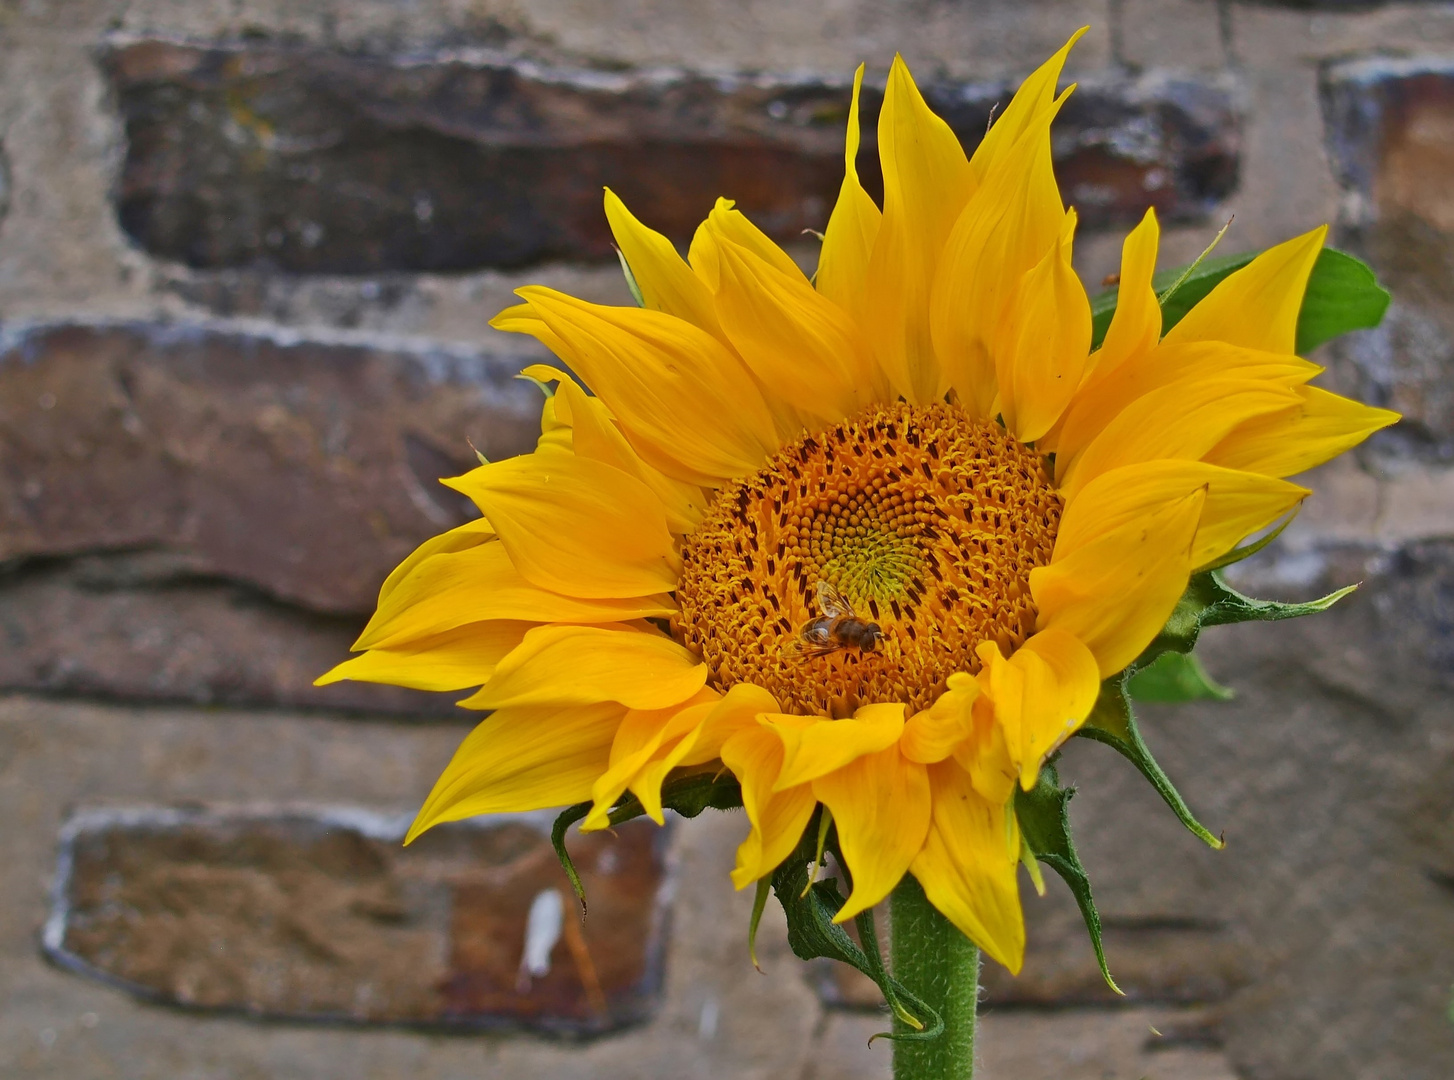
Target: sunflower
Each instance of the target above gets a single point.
(870, 540)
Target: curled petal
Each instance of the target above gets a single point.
(814, 748)
(648, 745)
(1041, 695)
(936, 732)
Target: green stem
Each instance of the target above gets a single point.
(939, 964)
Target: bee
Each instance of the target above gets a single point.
(838, 627)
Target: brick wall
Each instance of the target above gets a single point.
(247, 256)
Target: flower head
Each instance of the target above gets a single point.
(870, 540)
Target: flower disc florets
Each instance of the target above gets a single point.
(926, 521)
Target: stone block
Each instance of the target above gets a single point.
(145, 626)
(1390, 130)
(322, 915)
(311, 161)
(302, 468)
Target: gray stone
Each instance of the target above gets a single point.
(322, 915)
(313, 161)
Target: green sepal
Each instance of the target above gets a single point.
(630, 279)
(1342, 295)
(1044, 816)
(1113, 722)
(812, 933)
(686, 795)
(1175, 677)
(759, 905)
(1210, 601)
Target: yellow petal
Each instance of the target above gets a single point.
(1109, 392)
(986, 755)
(522, 319)
(1004, 230)
(480, 583)
(1258, 305)
(647, 746)
(596, 436)
(1136, 325)
(755, 756)
(801, 346)
(461, 537)
(737, 710)
(926, 183)
(688, 406)
(1041, 695)
(1116, 593)
(1183, 420)
(1238, 504)
(1035, 95)
(459, 658)
(664, 278)
(576, 526)
(968, 866)
(1321, 427)
(523, 759)
(734, 226)
(852, 228)
(822, 746)
(936, 732)
(581, 665)
(881, 807)
(1041, 349)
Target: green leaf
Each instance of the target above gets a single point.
(1176, 677)
(1113, 722)
(1044, 816)
(812, 933)
(1342, 295)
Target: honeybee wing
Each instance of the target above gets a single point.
(808, 650)
(832, 604)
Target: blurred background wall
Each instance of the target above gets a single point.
(247, 257)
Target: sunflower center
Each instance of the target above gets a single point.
(915, 521)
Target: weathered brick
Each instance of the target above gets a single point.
(303, 468)
(313, 161)
(1390, 129)
(146, 626)
(323, 915)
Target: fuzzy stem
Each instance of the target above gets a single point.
(939, 964)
